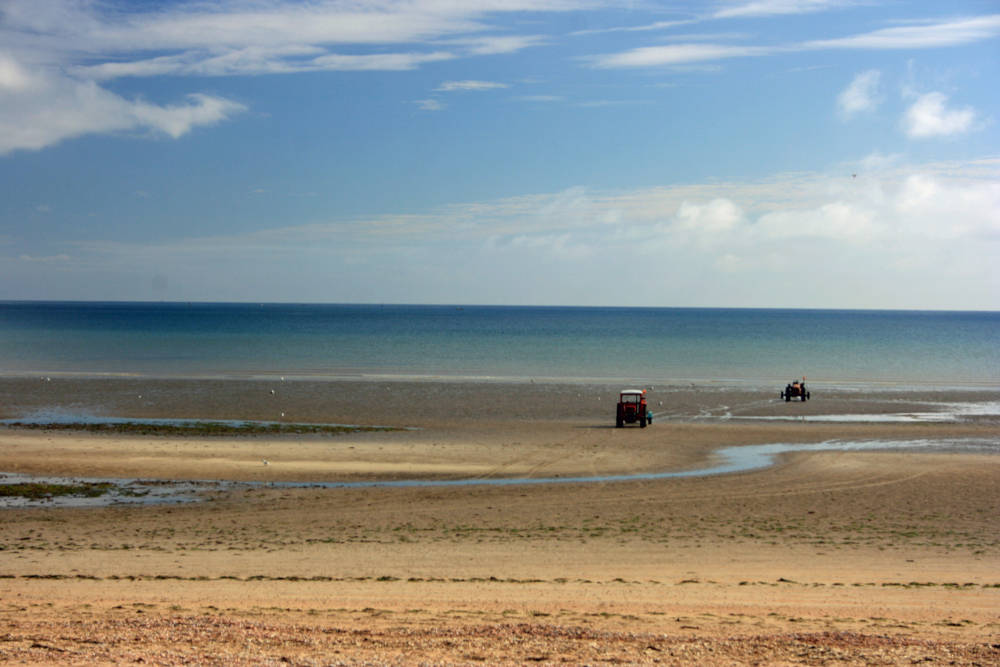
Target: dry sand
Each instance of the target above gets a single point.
(825, 558)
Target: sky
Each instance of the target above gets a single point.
(735, 153)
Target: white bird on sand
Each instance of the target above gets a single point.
(266, 462)
(272, 392)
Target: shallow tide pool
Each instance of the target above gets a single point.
(726, 460)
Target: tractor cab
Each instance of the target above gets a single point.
(632, 408)
(796, 389)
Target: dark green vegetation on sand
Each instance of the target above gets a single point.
(42, 490)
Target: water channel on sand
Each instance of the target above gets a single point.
(725, 461)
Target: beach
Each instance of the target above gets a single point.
(842, 557)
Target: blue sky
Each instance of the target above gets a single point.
(768, 153)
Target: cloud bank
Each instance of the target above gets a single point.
(56, 56)
(59, 57)
(885, 238)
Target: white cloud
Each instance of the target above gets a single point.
(658, 25)
(675, 54)
(378, 61)
(897, 236)
(265, 36)
(836, 220)
(929, 117)
(718, 216)
(253, 60)
(13, 77)
(541, 98)
(923, 36)
(738, 9)
(149, 67)
(876, 162)
(50, 108)
(102, 27)
(451, 86)
(430, 104)
(553, 246)
(489, 45)
(860, 95)
(935, 209)
(57, 54)
(777, 7)
(177, 120)
(931, 35)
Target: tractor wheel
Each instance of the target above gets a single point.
(787, 397)
(619, 418)
(642, 421)
(808, 396)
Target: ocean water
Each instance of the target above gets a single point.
(653, 345)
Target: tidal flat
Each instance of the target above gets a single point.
(866, 556)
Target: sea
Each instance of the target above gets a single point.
(752, 347)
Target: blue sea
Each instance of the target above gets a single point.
(654, 345)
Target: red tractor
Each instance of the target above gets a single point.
(795, 389)
(632, 408)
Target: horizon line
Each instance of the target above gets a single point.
(192, 302)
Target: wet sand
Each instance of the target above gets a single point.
(854, 557)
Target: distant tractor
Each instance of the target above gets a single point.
(632, 408)
(795, 389)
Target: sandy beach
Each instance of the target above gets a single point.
(828, 557)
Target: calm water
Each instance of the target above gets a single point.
(663, 345)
